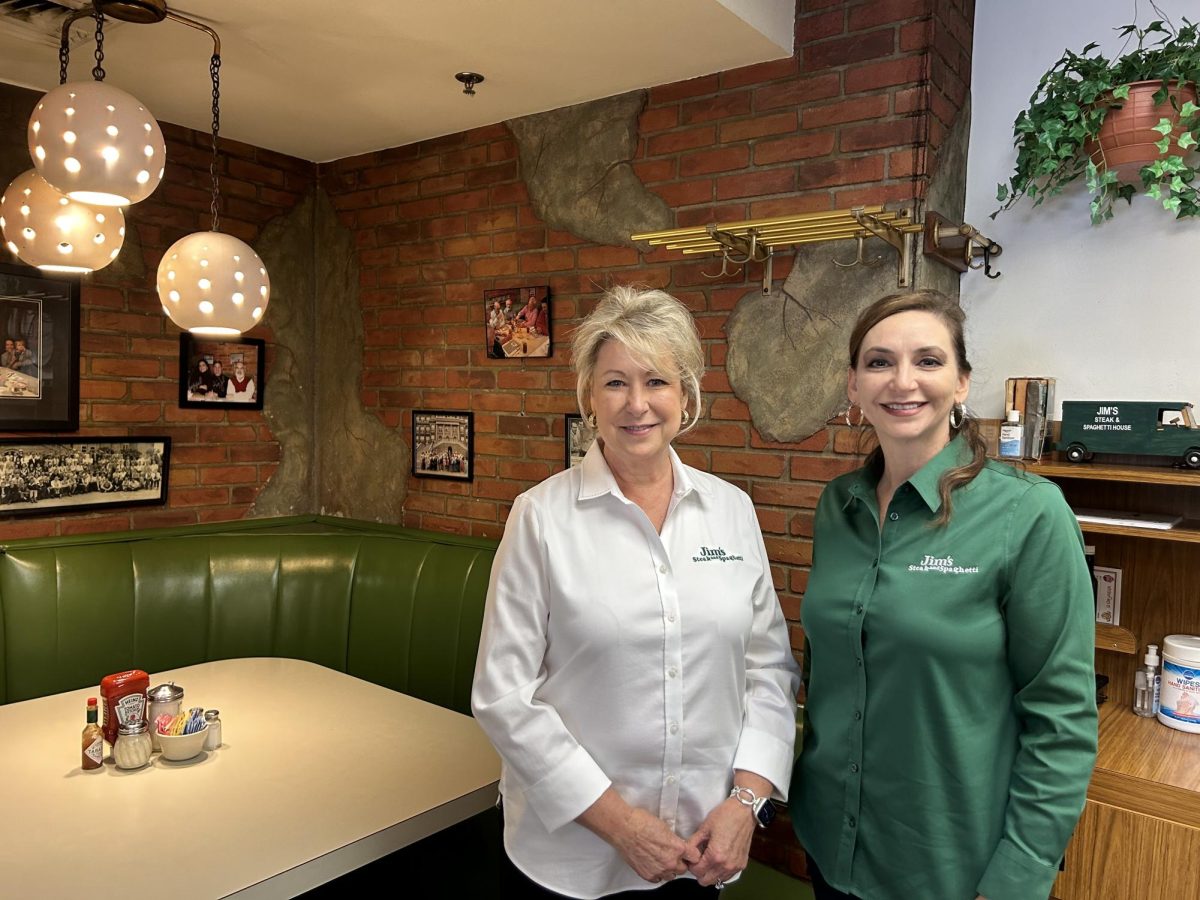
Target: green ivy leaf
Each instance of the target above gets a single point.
(1172, 203)
(1164, 126)
(1186, 140)
(1122, 92)
(1155, 191)
(1188, 109)
(1001, 192)
(1164, 145)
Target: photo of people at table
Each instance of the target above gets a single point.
(517, 322)
(20, 361)
(222, 371)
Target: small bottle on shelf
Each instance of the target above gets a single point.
(1146, 684)
(1012, 436)
(93, 738)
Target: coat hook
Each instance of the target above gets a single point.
(859, 259)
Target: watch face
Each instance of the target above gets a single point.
(766, 814)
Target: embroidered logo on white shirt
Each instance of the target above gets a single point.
(715, 554)
(943, 565)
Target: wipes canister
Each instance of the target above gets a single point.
(1179, 705)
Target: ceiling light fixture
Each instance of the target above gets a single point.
(94, 142)
(208, 282)
(47, 229)
(469, 80)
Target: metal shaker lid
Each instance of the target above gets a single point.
(165, 693)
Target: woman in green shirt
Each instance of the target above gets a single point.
(950, 723)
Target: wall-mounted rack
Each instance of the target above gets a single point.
(958, 246)
(755, 240)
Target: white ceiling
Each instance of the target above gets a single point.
(324, 80)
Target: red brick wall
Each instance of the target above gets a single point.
(129, 365)
(440, 222)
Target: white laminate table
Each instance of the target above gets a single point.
(318, 774)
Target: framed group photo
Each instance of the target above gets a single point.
(516, 322)
(39, 363)
(577, 439)
(443, 444)
(57, 475)
(221, 372)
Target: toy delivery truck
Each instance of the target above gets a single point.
(1150, 428)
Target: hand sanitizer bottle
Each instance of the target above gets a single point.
(1146, 684)
(1012, 436)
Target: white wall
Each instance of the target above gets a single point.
(1113, 310)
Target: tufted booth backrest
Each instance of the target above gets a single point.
(402, 609)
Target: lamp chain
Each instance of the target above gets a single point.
(64, 57)
(98, 70)
(214, 69)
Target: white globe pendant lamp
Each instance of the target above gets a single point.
(212, 283)
(208, 282)
(94, 142)
(47, 229)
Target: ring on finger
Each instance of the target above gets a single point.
(720, 885)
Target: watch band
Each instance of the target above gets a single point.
(760, 807)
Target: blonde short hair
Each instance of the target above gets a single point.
(654, 327)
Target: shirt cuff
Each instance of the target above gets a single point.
(1014, 875)
(768, 756)
(564, 794)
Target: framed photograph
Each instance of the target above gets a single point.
(577, 439)
(39, 365)
(216, 373)
(443, 444)
(52, 476)
(516, 322)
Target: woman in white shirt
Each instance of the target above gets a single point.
(634, 669)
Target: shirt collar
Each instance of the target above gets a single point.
(924, 481)
(596, 478)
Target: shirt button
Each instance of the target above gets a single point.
(853, 767)
(859, 661)
(670, 617)
(859, 609)
(874, 564)
(857, 716)
(674, 728)
(672, 672)
(670, 779)
(851, 822)
(894, 516)
(663, 569)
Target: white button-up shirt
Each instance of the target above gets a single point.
(615, 655)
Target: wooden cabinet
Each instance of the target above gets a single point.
(1139, 837)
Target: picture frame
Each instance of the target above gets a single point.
(206, 383)
(57, 475)
(517, 323)
(577, 439)
(443, 444)
(39, 315)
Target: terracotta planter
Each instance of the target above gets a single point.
(1127, 136)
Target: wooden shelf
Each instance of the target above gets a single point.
(1101, 472)
(1112, 637)
(1187, 532)
(1147, 767)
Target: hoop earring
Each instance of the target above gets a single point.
(591, 420)
(685, 418)
(962, 416)
(850, 424)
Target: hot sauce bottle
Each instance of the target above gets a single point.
(93, 739)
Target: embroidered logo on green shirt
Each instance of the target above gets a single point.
(943, 565)
(715, 554)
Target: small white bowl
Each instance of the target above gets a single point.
(182, 746)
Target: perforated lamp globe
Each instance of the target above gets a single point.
(211, 283)
(47, 229)
(96, 144)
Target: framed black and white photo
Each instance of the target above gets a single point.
(56, 475)
(577, 439)
(39, 363)
(216, 373)
(443, 444)
(516, 322)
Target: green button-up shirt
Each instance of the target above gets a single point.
(950, 727)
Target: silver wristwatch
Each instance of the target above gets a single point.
(763, 809)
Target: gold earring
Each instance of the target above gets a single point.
(591, 421)
(686, 417)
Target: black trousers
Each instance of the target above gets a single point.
(821, 888)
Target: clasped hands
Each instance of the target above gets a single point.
(719, 849)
